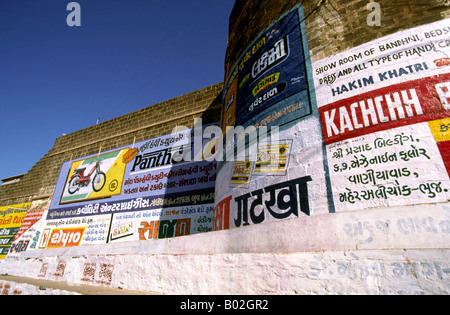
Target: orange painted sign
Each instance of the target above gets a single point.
(65, 237)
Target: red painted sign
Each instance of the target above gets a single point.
(398, 105)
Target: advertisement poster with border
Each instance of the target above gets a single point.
(384, 111)
(153, 189)
(11, 218)
(29, 233)
(270, 77)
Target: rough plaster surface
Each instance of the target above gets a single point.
(14, 288)
(382, 251)
(340, 272)
(413, 227)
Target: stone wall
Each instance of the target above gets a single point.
(333, 26)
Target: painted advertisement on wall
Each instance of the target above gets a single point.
(384, 111)
(269, 78)
(29, 233)
(377, 136)
(270, 87)
(150, 190)
(289, 184)
(11, 218)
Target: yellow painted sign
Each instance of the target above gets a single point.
(11, 218)
(440, 129)
(268, 81)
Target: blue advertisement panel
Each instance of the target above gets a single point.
(152, 174)
(152, 189)
(269, 84)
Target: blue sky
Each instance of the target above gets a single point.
(127, 55)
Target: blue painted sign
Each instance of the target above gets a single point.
(269, 83)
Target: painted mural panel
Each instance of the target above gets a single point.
(269, 78)
(384, 112)
(11, 218)
(153, 189)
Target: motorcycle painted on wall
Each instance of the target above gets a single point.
(79, 180)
